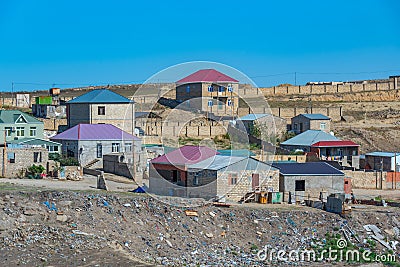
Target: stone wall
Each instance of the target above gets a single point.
(23, 159)
(366, 180)
(328, 89)
(335, 113)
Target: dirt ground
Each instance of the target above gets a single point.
(51, 226)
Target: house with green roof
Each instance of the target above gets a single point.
(15, 125)
(102, 106)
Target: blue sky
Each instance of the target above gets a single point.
(73, 43)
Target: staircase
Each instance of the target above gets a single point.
(90, 164)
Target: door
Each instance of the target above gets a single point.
(255, 180)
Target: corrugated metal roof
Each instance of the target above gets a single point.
(11, 116)
(382, 154)
(186, 155)
(94, 132)
(252, 117)
(308, 138)
(339, 143)
(100, 96)
(231, 163)
(33, 141)
(307, 169)
(316, 116)
(216, 162)
(207, 75)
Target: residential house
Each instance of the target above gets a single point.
(305, 122)
(16, 160)
(102, 106)
(89, 142)
(192, 171)
(49, 107)
(209, 90)
(382, 161)
(262, 125)
(305, 140)
(344, 151)
(15, 125)
(308, 180)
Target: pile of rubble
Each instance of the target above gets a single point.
(78, 228)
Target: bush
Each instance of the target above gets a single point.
(35, 171)
(64, 161)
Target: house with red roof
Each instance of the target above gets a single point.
(199, 171)
(88, 143)
(336, 150)
(209, 90)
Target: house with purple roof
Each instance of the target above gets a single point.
(88, 143)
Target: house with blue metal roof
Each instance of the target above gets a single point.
(304, 122)
(305, 140)
(382, 161)
(308, 180)
(102, 106)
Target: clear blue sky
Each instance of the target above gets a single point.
(99, 42)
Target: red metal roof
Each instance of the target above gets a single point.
(338, 143)
(186, 155)
(207, 75)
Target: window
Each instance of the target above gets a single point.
(210, 88)
(300, 185)
(99, 151)
(52, 148)
(229, 102)
(232, 178)
(322, 126)
(221, 89)
(37, 157)
(101, 110)
(115, 147)
(196, 179)
(20, 131)
(128, 147)
(188, 89)
(10, 157)
(8, 131)
(210, 103)
(32, 131)
(230, 89)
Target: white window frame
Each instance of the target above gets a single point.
(115, 147)
(20, 131)
(32, 130)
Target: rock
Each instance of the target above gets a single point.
(30, 212)
(62, 218)
(209, 235)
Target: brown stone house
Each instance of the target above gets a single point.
(209, 90)
(304, 122)
(102, 106)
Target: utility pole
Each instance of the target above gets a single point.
(295, 78)
(12, 94)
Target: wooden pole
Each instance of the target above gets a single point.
(5, 154)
